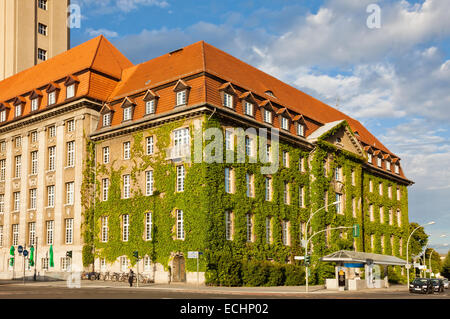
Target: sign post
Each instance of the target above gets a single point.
(25, 254)
(196, 255)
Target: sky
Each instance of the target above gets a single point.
(394, 77)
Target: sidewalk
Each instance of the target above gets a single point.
(283, 290)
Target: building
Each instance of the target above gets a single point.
(137, 180)
(32, 32)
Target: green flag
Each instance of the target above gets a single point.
(11, 251)
(11, 261)
(52, 264)
(32, 256)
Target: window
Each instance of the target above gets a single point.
(268, 153)
(70, 91)
(42, 4)
(2, 146)
(400, 244)
(70, 126)
(228, 100)
(286, 197)
(371, 213)
(18, 166)
(337, 173)
(301, 196)
(285, 232)
(382, 243)
(180, 225)
(125, 227)
(301, 164)
(52, 98)
(249, 228)
(388, 165)
(34, 136)
(33, 198)
(284, 123)
(148, 226)
(50, 225)
(126, 186)
(248, 108)
(150, 107)
(147, 263)
(354, 206)
(300, 129)
(267, 116)
(381, 215)
(327, 236)
(325, 200)
(34, 104)
(32, 234)
(228, 140)
(339, 205)
(2, 203)
(398, 193)
(380, 188)
(107, 119)
(149, 183)
(1, 235)
(51, 158)
(51, 196)
(126, 150)
(353, 177)
(397, 169)
(15, 233)
(124, 264)
(106, 155)
(70, 193)
(52, 131)
(105, 189)
(66, 264)
(285, 158)
(391, 217)
(181, 98)
(44, 263)
(228, 181)
(249, 183)
(248, 146)
(127, 113)
(150, 145)
(105, 229)
(69, 231)
(390, 191)
(379, 161)
(18, 110)
(268, 230)
(369, 158)
(181, 138)
(18, 141)
(180, 178)
(3, 116)
(370, 186)
(268, 188)
(42, 55)
(228, 225)
(16, 201)
(2, 170)
(372, 246)
(71, 154)
(399, 218)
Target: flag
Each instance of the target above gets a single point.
(32, 256)
(11, 251)
(52, 264)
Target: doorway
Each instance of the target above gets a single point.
(178, 269)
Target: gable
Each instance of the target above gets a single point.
(343, 138)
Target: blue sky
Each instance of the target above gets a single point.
(395, 79)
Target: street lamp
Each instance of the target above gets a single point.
(425, 252)
(407, 245)
(431, 252)
(306, 237)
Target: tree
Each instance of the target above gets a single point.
(436, 263)
(418, 240)
(446, 266)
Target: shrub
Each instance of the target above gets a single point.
(295, 275)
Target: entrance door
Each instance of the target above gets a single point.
(179, 270)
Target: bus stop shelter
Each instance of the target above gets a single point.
(349, 264)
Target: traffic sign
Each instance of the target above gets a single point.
(20, 249)
(25, 253)
(356, 230)
(299, 257)
(408, 266)
(194, 254)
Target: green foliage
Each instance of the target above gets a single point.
(418, 240)
(446, 266)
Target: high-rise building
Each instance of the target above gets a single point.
(31, 31)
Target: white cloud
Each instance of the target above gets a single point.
(112, 6)
(107, 33)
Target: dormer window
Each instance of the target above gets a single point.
(369, 158)
(267, 116)
(18, 110)
(150, 107)
(248, 108)
(379, 161)
(397, 169)
(3, 116)
(34, 104)
(228, 100)
(181, 98)
(284, 123)
(127, 113)
(270, 93)
(388, 165)
(107, 119)
(300, 129)
(70, 91)
(52, 98)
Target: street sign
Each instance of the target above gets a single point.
(299, 257)
(20, 249)
(408, 266)
(193, 254)
(25, 253)
(356, 230)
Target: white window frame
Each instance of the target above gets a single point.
(42, 4)
(149, 183)
(248, 146)
(228, 180)
(249, 183)
(51, 158)
(70, 126)
(51, 196)
(106, 155)
(126, 186)
(15, 234)
(229, 145)
(150, 107)
(301, 196)
(34, 163)
(105, 189)
(228, 225)
(267, 116)
(18, 166)
(105, 229)
(70, 193)
(16, 196)
(285, 123)
(33, 198)
(124, 264)
(300, 129)
(71, 154)
(181, 175)
(249, 227)
(148, 226)
(34, 104)
(285, 158)
(1, 235)
(181, 98)
(127, 113)
(126, 150)
(369, 158)
(51, 98)
(339, 198)
(228, 100)
(150, 145)
(286, 195)
(180, 224)
(49, 231)
(3, 116)
(18, 110)
(2, 203)
(285, 232)
(51, 131)
(70, 91)
(397, 169)
(268, 189)
(268, 230)
(248, 107)
(69, 231)
(2, 170)
(125, 227)
(381, 215)
(107, 119)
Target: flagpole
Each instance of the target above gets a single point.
(35, 259)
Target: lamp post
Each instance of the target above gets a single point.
(306, 237)
(425, 252)
(407, 246)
